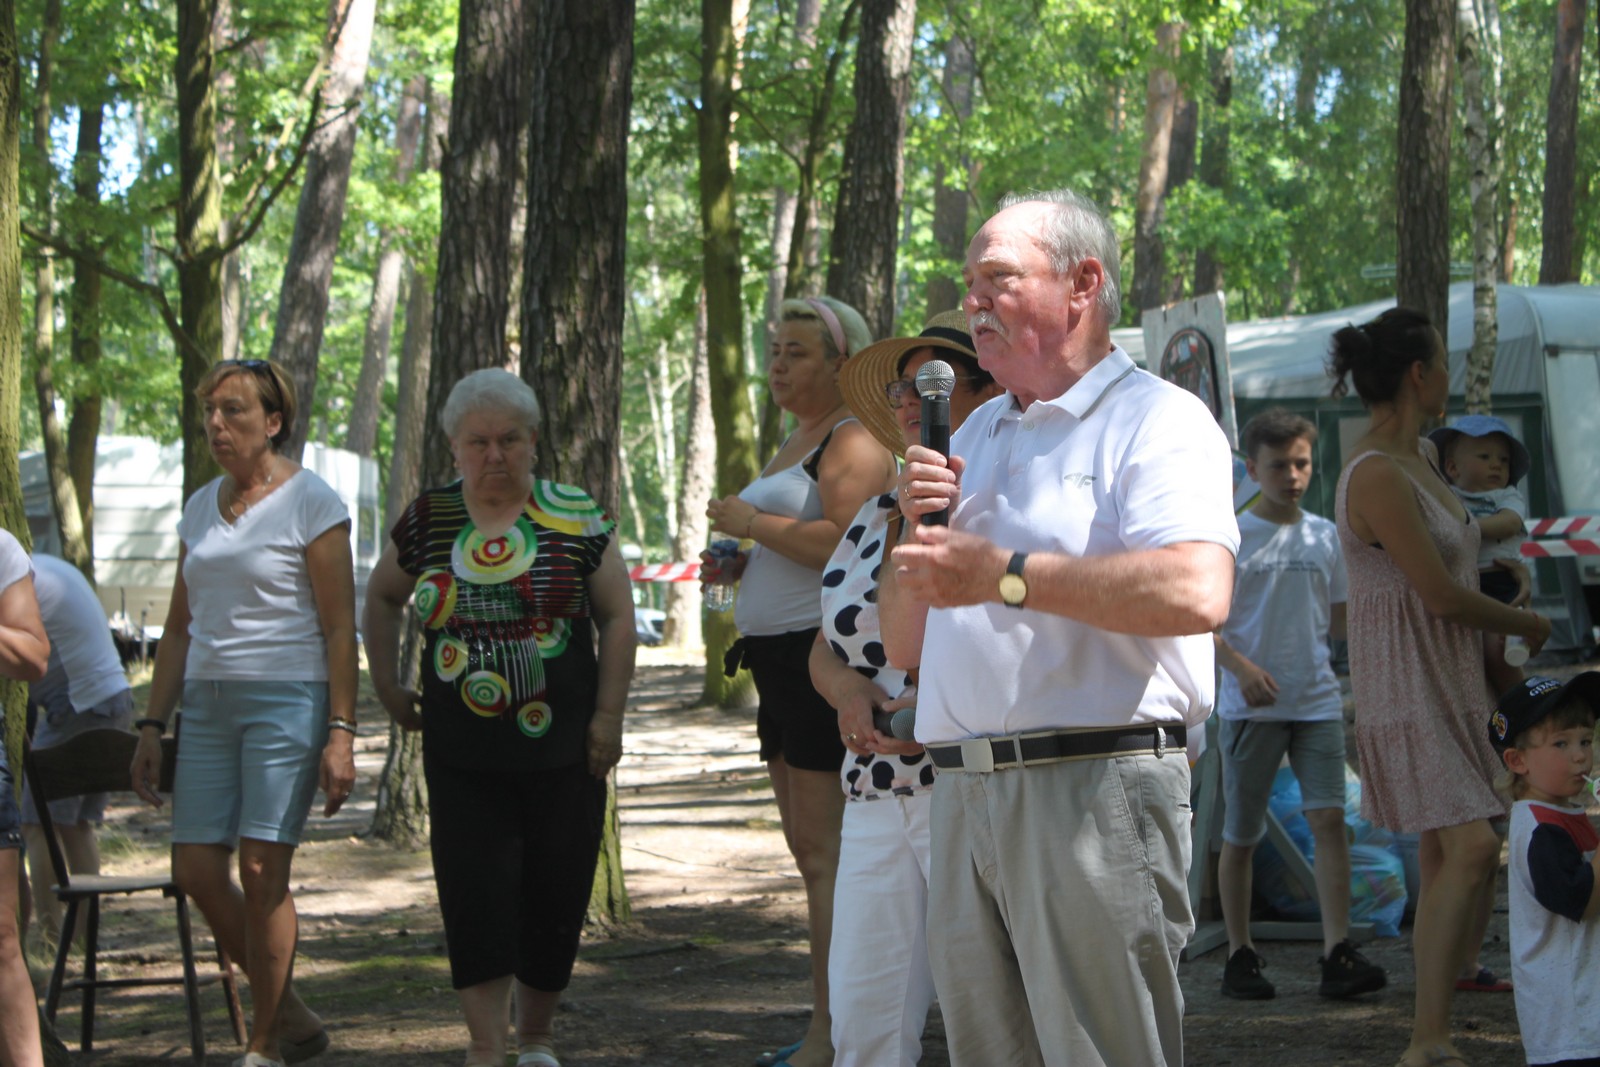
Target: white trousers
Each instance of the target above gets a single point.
(879, 984)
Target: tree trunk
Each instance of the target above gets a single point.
(83, 429)
(63, 491)
(199, 229)
(303, 299)
(362, 435)
(1208, 270)
(13, 695)
(574, 291)
(951, 201)
(1473, 47)
(1556, 264)
(476, 175)
(1422, 263)
(1160, 111)
(722, 266)
(682, 626)
(401, 813)
(866, 220)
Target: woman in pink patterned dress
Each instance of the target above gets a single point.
(1416, 661)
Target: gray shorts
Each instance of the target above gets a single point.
(1252, 749)
(60, 725)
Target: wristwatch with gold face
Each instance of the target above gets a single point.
(1013, 590)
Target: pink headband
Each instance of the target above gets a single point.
(830, 320)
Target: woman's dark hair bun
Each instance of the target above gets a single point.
(1376, 355)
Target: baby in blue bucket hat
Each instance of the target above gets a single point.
(1483, 461)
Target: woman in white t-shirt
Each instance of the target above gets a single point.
(24, 653)
(260, 650)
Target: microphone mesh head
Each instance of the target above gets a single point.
(936, 378)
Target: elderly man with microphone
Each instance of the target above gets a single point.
(1062, 620)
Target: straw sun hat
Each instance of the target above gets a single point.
(864, 374)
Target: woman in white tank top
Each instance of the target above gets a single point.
(795, 513)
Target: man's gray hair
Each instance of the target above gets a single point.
(492, 389)
(1073, 231)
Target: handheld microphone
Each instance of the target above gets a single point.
(935, 381)
(902, 725)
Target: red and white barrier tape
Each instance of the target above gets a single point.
(1560, 549)
(1565, 526)
(665, 572)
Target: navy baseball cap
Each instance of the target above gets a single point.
(1483, 426)
(1525, 706)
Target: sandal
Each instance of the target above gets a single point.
(1485, 981)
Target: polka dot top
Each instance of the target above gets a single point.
(850, 626)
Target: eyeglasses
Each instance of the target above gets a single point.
(899, 389)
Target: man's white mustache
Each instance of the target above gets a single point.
(985, 319)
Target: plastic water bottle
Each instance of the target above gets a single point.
(1516, 651)
(718, 595)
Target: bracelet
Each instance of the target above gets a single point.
(159, 724)
(749, 527)
(347, 725)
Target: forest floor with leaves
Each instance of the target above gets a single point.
(713, 967)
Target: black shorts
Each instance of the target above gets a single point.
(1500, 584)
(794, 721)
(10, 817)
(513, 857)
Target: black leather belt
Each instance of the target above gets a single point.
(1019, 750)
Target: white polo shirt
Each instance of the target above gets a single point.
(1121, 462)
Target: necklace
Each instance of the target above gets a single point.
(238, 497)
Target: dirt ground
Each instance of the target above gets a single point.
(713, 968)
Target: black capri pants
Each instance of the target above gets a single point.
(513, 859)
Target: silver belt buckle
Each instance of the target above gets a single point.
(977, 755)
(1161, 741)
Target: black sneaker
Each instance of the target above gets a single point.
(1241, 978)
(1347, 973)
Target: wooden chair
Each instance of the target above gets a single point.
(98, 762)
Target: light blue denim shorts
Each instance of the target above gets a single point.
(248, 757)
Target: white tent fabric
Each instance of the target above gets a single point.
(1285, 358)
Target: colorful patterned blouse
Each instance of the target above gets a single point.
(509, 670)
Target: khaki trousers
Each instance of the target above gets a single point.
(1058, 904)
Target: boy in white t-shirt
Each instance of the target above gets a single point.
(1279, 695)
(1544, 731)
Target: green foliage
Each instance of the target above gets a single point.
(1060, 89)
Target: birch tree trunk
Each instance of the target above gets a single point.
(1422, 262)
(303, 298)
(1475, 48)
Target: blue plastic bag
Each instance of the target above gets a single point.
(1377, 877)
